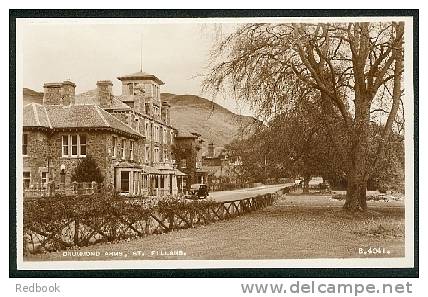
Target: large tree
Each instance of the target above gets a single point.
(355, 69)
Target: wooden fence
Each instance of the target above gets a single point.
(71, 232)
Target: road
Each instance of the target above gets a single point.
(245, 193)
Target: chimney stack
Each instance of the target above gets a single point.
(52, 94)
(211, 150)
(59, 93)
(104, 93)
(68, 90)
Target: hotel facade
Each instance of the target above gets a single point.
(129, 136)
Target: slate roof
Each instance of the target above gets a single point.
(185, 134)
(141, 76)
(126, 98)
(73, 116)
(90, 98)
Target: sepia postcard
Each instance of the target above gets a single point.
(199, 143)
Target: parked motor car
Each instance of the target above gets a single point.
(315, 182)
(198, 191)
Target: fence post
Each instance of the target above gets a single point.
(51, 188)
(76, 231)
(171, 220)
(94, 186)
(75, 187)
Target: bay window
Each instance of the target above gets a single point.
(124, 181)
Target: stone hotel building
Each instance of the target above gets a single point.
(129, 136)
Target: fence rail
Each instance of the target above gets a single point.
(73, 231)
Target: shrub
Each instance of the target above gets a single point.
(87, 171)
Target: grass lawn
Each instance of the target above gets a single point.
(295, 227)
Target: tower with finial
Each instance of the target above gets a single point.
(146, 84)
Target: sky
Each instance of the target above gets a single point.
(84, 53)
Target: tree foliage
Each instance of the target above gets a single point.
(355, 69)
(87, 171)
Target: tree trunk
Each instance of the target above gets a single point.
(358, 168)
(356, 199)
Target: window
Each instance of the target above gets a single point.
(114, 145)
(137, 125)
(26, 179)
(156, 155)
(147, 153)
(131, 88)
(122, 148)
(44, 179)
(74, 145)
(164, 136)
(24, 144)
(157, 133)
(82, 143)
(183, 163)
(131, 150)
(65, 147)
(147, 130)
(165, 155)
(124, 181)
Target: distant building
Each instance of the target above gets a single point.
(188, 153)
(216, 165)
(129, 136)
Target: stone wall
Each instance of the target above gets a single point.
(187, 148)
(36, 160)
(96, 147)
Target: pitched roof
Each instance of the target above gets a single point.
(141, 76)
(73, 116)
(90, 98)
(126, 98)
(185, 134)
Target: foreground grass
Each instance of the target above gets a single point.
(295, 227)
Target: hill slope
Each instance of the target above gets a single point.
(189, 113)
(31, 96)
(215, 123)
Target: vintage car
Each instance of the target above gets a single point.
(198, 191)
